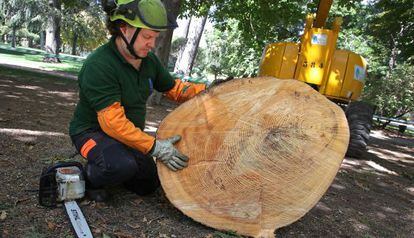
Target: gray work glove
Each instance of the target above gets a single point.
(165, 151)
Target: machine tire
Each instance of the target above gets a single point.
(359, 115)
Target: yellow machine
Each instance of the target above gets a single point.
(337, 74)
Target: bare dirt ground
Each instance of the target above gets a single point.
(372, 197)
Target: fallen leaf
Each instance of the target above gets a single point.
(134, 226)
(100, 205)
(85, 202)
(123, 235)
(3, 215)
(93, 204)
(51, 225)
(104, 235)
(137, 201)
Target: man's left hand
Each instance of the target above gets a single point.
(165, 151)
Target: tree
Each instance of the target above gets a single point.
(227, 55)
(83, 22)
(53, 41)
(84, 25)
(17, 16)
(186, 59)
(389, 30)
(393, 95)
(177, 45)
(392, 24)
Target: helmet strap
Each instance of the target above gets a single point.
(130, 45)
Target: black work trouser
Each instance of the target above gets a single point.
(112, 163)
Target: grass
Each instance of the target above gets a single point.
(39, 51)
(34, 59)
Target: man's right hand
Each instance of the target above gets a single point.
(165, 151)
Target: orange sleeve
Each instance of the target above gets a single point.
(182, 91)
(114, 123)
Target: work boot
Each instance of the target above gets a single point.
(97, 194)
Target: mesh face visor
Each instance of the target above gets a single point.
(151, 13)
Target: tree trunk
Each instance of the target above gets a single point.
(74, 41)
(53, 32)
(163, 44)
(395, 40)
(393, 57)
(257, 161)
(186, 31)
(186, 58)
(187, 28)
(42, 40)
(14, 29)
(30, 40)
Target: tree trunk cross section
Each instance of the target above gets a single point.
(262, 153)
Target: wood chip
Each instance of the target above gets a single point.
(123, 235)
(104, 235)
(51, 225)
(134, 226)
(3, 215)
(137, 201)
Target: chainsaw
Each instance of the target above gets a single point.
(64, 182)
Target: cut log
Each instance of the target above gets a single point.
(262, 153)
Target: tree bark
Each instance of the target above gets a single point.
(186, 58)
(163, 44)
(42, 40)
(53, 32)
(393, 56)
(74, 42)
(186, 31)
(14, 29)
(395, 41)
(187, 28)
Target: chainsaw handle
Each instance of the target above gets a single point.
(64, 164)
(48, 185)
